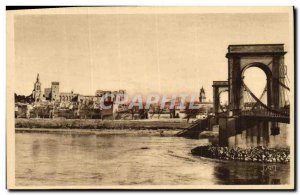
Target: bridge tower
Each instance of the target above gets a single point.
(267, 57)
(247, 115)
(218, 88)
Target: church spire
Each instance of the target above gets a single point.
(202, 97)
(37, 93)
(202, 90)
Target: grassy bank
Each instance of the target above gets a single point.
(101, 124)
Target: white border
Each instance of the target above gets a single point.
(104, 2)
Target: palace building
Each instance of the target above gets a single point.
(55, 91)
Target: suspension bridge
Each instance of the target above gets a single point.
(257, 116)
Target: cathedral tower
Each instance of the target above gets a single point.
(37, 91)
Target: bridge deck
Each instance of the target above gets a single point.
(273, 118)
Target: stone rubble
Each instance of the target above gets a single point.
(254, 154)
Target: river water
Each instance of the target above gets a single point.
(72, 159)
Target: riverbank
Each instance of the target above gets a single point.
(160, 133)
(174, 124)
(256, 154)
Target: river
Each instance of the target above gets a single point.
(126, 159)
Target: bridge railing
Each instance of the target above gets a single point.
(265, 112)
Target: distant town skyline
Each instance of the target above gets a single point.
(145, 53)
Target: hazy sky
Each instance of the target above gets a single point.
(139, 53)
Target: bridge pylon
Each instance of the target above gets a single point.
(247, 117)
(270, 59)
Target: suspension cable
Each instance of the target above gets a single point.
(261, 103)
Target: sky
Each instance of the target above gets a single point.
(148, 53)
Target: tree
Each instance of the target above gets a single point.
(24, 99)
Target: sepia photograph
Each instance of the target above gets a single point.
(150, 98)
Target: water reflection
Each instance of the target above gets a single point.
(53, 159)
(251, 173)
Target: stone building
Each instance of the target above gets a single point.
(47, 93)
(111, 96)
(100, 93)
(85, 98)
(37, 91)
(119, 95)
(55, 91)
(206, 106)
(202, 97)
(68, 96)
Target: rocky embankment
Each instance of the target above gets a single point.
(255, 154)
